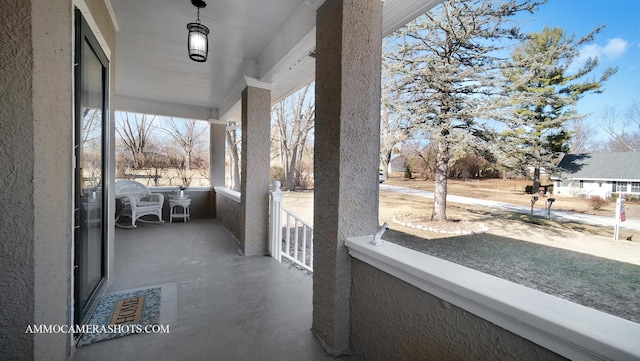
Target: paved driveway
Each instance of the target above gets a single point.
(630, 224)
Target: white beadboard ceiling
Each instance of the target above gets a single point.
(268, 40)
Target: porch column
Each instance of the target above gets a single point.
(254, 182)
(347, 145)
(217, 174)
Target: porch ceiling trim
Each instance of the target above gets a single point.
(112, 14)
(145, 106)
(398, 13)
(293, 42)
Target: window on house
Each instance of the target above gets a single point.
(621, 187)
(635, 187)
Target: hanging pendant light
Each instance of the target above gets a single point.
(198, 43)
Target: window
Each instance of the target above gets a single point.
(621, 187)
(635, 187)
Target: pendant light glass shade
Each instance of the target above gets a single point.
(198, 42)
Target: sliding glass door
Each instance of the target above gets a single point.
(91, 115)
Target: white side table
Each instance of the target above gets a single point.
(184, 203)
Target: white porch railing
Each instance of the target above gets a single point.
(290, 237)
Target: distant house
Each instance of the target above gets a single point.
(600, 174)
(398, 163)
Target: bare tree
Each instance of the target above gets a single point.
(624, 131)
(188, 135)
(233, 150)
(134, 130)
(393, 130)
(91, 140)
(91, 126)
(156, 165)
(294, 120)
(470, 165)
(583, 134)
(421, 155)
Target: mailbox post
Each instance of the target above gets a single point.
(534, 199)
(549, 203)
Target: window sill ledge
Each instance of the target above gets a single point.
(228, 193)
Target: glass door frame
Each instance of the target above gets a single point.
(83, 33)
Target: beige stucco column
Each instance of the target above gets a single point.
(254, 182)
(347, 144)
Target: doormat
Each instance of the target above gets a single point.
(121, 314)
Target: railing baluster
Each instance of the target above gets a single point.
(311, 250)
(304, 244)
(295, 250)
(288, 238)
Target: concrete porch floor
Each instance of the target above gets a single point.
(219, 305)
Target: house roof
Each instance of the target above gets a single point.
(619, 166)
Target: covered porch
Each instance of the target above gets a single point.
(219, 305)
(367, 301)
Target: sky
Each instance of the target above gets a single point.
(618, 44)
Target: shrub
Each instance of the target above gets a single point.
(529, 189)
(631, 198)
(407, 172)
(277, 173)
(627, 197)
(596, 202)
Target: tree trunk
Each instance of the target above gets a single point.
(187, 159)
(536, 180)
(234, 166)
(386, 160)
(290, 170)
(440, 192)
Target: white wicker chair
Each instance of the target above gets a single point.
(138, 201)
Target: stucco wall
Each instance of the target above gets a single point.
(200, 204)
(16, 180)
(393, 320)
(228, 213)
(36, 143)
